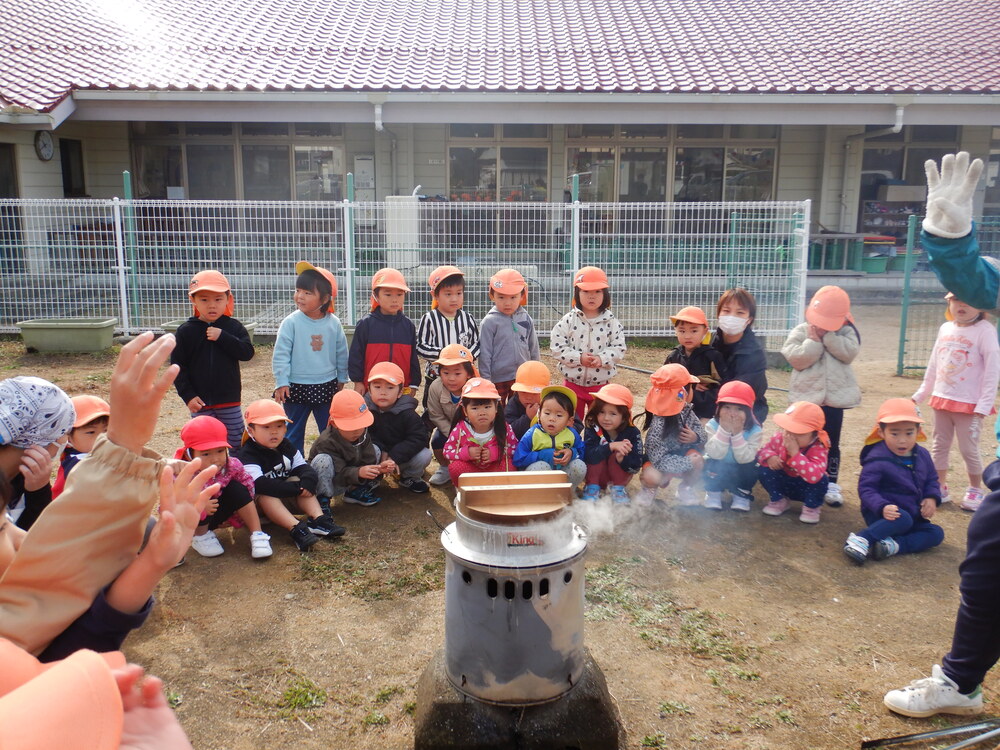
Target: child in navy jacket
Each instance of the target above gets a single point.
(385, 334)
(612, 445)
(898, 488)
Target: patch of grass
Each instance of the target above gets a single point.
(372, 573)
(98, 378)
(385, 694)
(785, 717)
(674, 708)
(758, 722)
(410, 707)
(774, 700)
(655, 740)
(302, 694)
(174, 699)
(375, 718)
(714, 677)
(704, 637)
(745, 674)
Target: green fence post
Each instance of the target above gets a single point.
(911, 236)
(130, 249)
(350, 259)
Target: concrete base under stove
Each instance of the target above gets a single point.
(583, 719)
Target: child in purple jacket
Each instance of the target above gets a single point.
(898, 488)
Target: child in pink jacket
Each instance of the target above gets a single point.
(475, 443)
(961, 380)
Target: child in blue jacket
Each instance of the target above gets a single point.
(552, 443)
(898, 488)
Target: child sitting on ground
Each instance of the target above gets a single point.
(701, 360)
(206, 438)
(344, 456)
(675, 436)
(552, 443)
(281, 474)
(589, 341)
(455, 366)
(898, 488)
(731, 447)
(399, 434)
(473, 445)
(385, 334)
(91, 422)
(742, 354)
(612, 444)
(532, 376)
(793, 462)
(507, 334)
(210, 346)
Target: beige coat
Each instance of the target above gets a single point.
(822, 371)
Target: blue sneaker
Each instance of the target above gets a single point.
(619, 495)
(362, 495)
(857, 548)
(591, 493)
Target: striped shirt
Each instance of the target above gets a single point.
(435, 332)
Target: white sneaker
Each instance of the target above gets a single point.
(740, 503)
(207, 545)
(260, 545)
(834, 497)
(972, 499)
(687, 495)
(441, 476)
(934, 695)
(713, 500)
(644, 497)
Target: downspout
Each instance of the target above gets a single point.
(380, 128)
(894, 128)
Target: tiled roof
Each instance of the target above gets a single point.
(50, 47)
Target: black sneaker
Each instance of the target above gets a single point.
(361, 495)
(325, 527)
(302, 536)
(414, 484)
(324, 504)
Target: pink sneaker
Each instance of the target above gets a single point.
(810, 515)
(973, 499)
(776, 507)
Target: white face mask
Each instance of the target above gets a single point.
(731, 324)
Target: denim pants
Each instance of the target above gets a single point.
(299, 414)
(738, 479)
(779, 484)
(913, 534)
(975, 645)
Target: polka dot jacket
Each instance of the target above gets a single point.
(576, 334)
(810, 464)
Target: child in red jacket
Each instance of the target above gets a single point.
(793, 462)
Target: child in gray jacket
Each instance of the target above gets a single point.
(507, 336)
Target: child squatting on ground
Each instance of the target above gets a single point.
(210, 346)
(898, 488)
(91, 422)
(399, 434)
(522, 408)
(733, 439)
(699, 358)
(455, 366)
(589, 341)
(281, 475)
(793, 462)
(961, 380)
(344, 456)
(310, 353)
(206, 438)
(475, 444)
(612, 445)
(675, 436)
(552, 443)
(507, 336)
(820, 352)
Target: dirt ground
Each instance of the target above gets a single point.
(714, 630)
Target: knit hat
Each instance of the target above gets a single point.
(895, 410)
(89, 408)
(33, 412)
(211, 281)
(669, 392)
(349, 411)
(302, 266)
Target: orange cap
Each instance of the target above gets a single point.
(896, 410)
(441, 273)
(590, 278)
(801, 417)
(509, 281)
(454, 354)
(211, 281)
(265, 411)
(531, 377)
(349, 411)
(303, 265)
(690, 315)
(480, 388)
(616, 394)
(390, 372)
(829, 308)
(669, 392)
(389, 278)
(89, 408)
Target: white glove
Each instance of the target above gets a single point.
(949, 195)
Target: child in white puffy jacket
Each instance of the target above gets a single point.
(820, 352)
(589, 341)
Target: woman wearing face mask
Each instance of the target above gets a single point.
(739, 347)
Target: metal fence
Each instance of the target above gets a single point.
(922, 311)
(132, 259)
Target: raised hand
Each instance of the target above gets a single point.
(949, 194)
(138, 388)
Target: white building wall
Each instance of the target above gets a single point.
(430, 159)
